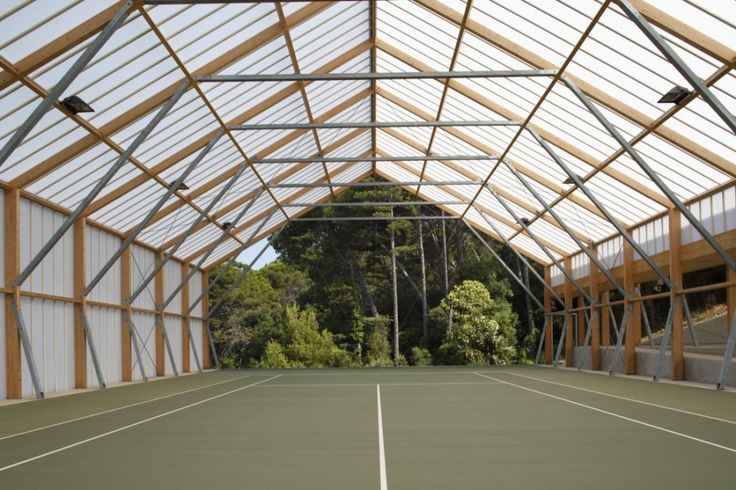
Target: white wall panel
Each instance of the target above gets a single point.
(195, 289)
(51, 330)
(556, 275)
(173, 330)
(144, 322)
(653, 237)
(54, 274)
(172, 278)
(196, 328)
(142, 263)
(100, 247)
(611, 252)
(105, 327)
(580, 267)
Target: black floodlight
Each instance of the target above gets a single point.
(75, 105)
(676, 95)
(524, 221)
(227, 225)
(570, 181)
(181, 187)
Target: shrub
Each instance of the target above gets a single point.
(420, 357)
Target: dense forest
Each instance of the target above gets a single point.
(329, 298)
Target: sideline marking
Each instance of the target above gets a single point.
(625, 398)
(130, 426)
(612, 414)
(381, 449)
(120, 408)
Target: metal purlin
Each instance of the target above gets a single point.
(142, 286)
(547, 286)
(68, 223)
(71, 74)
(225, 234)
(730, 262)
(134, 234)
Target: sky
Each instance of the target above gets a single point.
(268, 256)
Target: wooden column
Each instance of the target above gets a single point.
(678, 360)
(125, 340)
(730, 298)
(595, 319)
(205, 310)
(548, 354)
(14, 388)
(636, 312)
(605, 320)
(581, 321)
(159, 299)
(569, 339)
(629, 338)
(185, 320)
(79, 263)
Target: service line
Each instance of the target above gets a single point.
(612, 414)
(120, 408)
(381, 448)
(130, 426)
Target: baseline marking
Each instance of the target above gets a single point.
(381, 449)
(350, 385)
(612, 414)
(120, 408)
(625, 398)
(130, 426)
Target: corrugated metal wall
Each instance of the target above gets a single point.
(3, 387)
(196, 327)
(173, 330)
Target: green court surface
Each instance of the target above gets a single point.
(418, 428)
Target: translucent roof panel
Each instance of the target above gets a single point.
(616, 67)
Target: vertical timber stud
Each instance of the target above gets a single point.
(159, 299)
(569, 337)
(205, 313)
(582, 325)
(185, 318)
(595, 322)
(636, 315)
(80, 277)
(678, 362)
(605, 318)
(12, 268)
(630, 352)
(548, 317)
(126, 356)
(730, 298)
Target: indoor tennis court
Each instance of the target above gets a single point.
(504, 427)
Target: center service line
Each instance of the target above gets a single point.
(381, 449)
(134, 424)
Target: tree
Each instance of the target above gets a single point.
(477, 336)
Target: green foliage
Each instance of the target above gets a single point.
(476, 336)
(378, 349)
(420, 357)
(273, 357)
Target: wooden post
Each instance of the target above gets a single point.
(14, 388)
(581, 321)
(125, 333)
(79, 262)
(606, 323)
(159, 299)
(548, 317)
(678, 359)
(569, 335)
(595, 319)
(636, 312)
(630, 356)
(185, 320)
(206, 364)
(730, 299)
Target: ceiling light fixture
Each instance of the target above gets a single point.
(75, 105)
(676, 95)
(227, 225)
(570, 180)
(524, 221)
(182, 186)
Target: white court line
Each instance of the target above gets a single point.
(348, 385)
(381, 449)
(612, 414)
(130, 426)
(120, 408)
(625, 398)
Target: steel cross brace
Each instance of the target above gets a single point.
(225, 234)
(707, 236)
(71, 74)
(59, 233)
(142, 286)
(645, 317)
